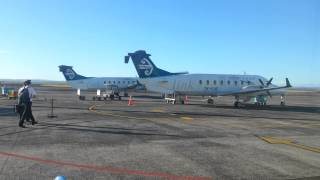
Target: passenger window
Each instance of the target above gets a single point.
(200, 81)
(221, 82)
(208, 82)
(241, 82)
(104, 82)
(114, 82)
(214, 82)
(128, 82)
(109, 82)
(228, 82)
(235, 83)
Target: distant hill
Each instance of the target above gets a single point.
(34, 81)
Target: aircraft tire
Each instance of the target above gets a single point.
(210, 101)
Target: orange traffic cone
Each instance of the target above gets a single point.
(130, 102)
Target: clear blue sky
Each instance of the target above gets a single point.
(272, 38)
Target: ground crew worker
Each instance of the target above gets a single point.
(26, 94)
(21, 107)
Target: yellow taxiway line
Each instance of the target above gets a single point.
(273, 140)
(186, 118)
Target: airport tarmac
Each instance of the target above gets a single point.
(153, 140)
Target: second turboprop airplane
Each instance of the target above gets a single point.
(243, 87)
(76, 81)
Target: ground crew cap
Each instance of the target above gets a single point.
(27, 82)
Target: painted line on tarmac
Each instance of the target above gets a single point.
(157, 110)
(186, 118)
(290, 125)
(111, 170)
(273, 140)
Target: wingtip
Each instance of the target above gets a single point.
(288, 83)
(126, 59)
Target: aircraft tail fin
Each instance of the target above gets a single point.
(69, 73)
(145, 67)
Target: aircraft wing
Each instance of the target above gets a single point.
(252, 91)
(133, 86)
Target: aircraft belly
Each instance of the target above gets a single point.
(78, 84)
(154, 88)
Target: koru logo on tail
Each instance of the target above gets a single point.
(147, 66)
(70, 74)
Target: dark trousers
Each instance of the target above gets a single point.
(27, 113)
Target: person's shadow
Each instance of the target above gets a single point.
(5, 111)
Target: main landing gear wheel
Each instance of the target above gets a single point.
(236, 104)
(260, 103)
(210, 101)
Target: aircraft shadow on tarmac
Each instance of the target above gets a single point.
(306, 109)
(224, 114)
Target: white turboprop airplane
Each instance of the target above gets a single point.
(76, 81)
(243, 87)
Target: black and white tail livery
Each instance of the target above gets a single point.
(69, 73)
(145, 66)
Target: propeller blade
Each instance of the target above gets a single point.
(261, 82)
(269, 82)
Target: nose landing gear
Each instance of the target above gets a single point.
(237, 102)
(283, 100)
